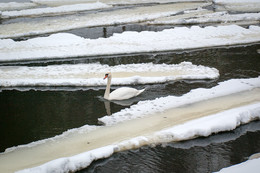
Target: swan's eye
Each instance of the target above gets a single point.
(106, 74)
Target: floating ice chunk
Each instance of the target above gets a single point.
(238, 5)
(92, 74)
(207, 17)
(68, 45)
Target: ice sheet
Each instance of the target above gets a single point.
(205, 16)
(208, 115)
(107, 18)
(112, 2)
(238, 5)
(67, 45)
(93, 74)
(65, 9)
(16, 6)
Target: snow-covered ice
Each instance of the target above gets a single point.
(64, 45)
(112, 2)
(101, 146)
(237, 5)
(16, 6)
(65, 9)
(93, 74)
(206, 16)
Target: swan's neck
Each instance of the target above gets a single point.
(107, 92)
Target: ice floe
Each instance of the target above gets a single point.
(112, 2)
(206, 16)
(64, 45)
(93, 74)
(16, 6)
(65, 9)
(105, 18)
(237, 5)
(164, 103)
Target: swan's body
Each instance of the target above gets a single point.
(122, 93)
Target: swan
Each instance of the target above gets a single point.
(122, 93)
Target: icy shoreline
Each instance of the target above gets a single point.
(68, 45)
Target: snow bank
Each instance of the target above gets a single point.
(93, 74)
(67, 45)
(252, 166)
(143, 108)
(65, 9)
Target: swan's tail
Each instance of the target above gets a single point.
(140, 91)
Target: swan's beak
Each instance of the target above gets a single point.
(105, 77)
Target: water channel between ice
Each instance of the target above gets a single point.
(39, 154)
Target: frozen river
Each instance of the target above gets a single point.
(52, 64)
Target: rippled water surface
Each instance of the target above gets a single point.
(198, 156)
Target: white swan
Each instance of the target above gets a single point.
(122, 93)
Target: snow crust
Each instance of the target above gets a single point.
(55, 10)
(143, 108)
(252, 166)
(65, 45)
(93, 74)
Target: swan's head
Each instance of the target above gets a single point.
(107, 75)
